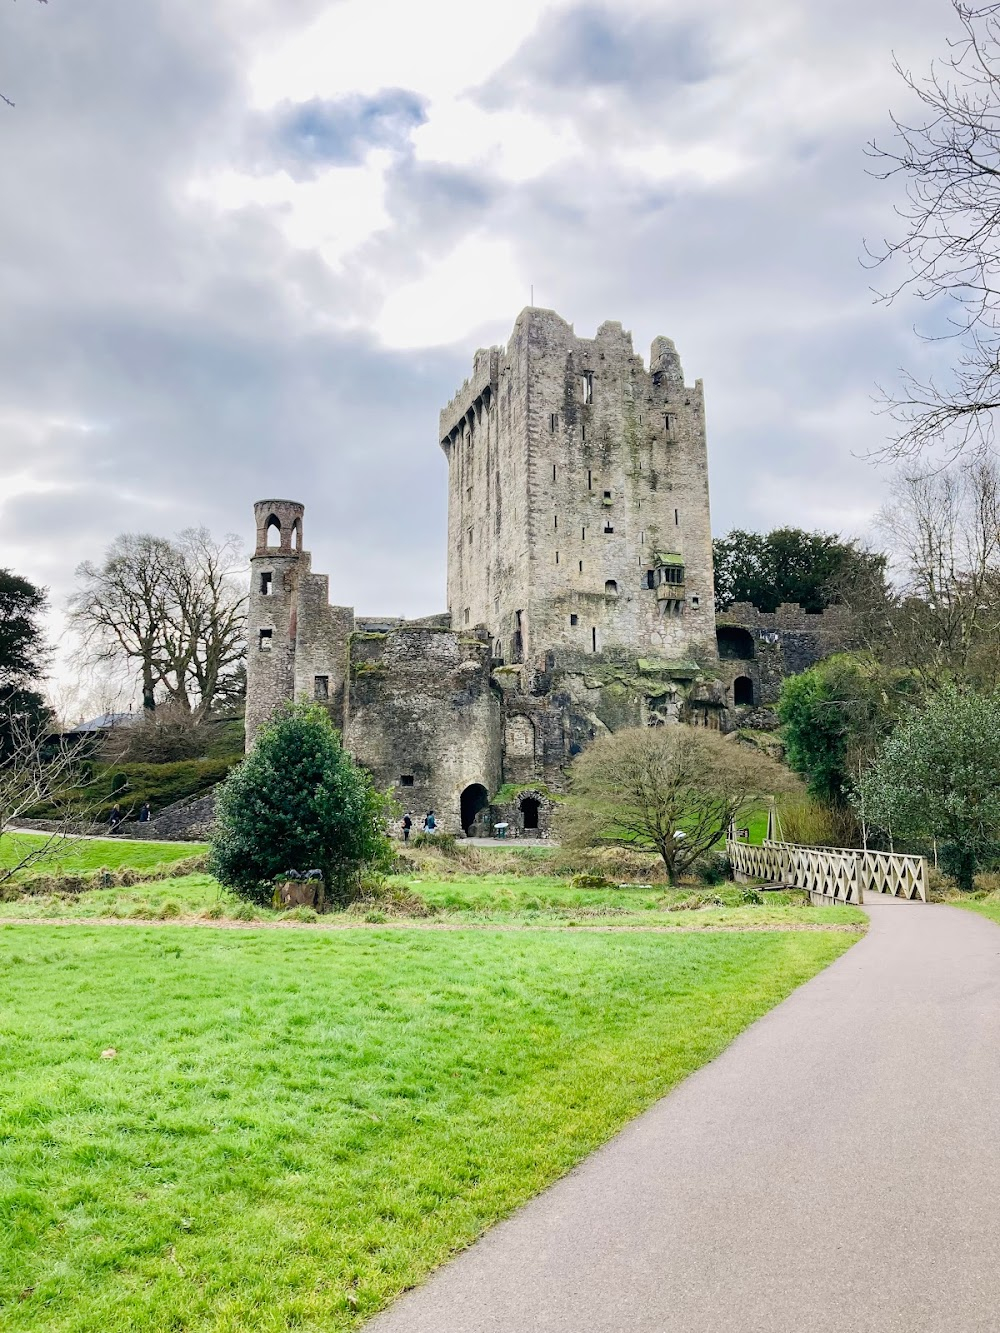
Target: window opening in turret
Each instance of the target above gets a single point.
(695, 601)
(273, 531)
(266, 584)
(264, 640)
(297, 534)
(610, 588)
(650, 578)
(321, 688)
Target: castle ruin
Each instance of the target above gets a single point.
(580, 587)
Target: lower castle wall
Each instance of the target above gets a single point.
(420, 704)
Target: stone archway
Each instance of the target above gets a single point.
(474, 798)
(742, 690)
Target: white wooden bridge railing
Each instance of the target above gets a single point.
(833, 874)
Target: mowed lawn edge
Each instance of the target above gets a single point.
(296, 1127)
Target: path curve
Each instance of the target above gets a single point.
(836, 1168)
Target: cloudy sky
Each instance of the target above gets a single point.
(248, 247)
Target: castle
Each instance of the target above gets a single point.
(580, 590)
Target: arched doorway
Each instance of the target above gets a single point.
(529, 812)
(474, 798)
(742, 690)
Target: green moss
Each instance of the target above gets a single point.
(366, 636)
(368, 669)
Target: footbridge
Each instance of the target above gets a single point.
(830, 874)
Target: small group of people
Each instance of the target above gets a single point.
(430, 824)
(117, 818)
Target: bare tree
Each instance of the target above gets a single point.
(38, 770)
(174, 612)
(950, 242)
(942, 620)
(674, 790)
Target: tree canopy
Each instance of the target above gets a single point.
(674, 790)
(173, 611)
(835, 714)
(297, 802)
(814, 569)
(23, 658)
(936, 776)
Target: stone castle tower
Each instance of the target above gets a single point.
(578, 511)
(580, 586)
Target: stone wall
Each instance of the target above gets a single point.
(761, 648)
(423, 717)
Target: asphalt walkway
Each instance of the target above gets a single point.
(837, 1168)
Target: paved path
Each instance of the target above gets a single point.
(837, 1168)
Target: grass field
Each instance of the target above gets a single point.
(297, 1125)
(991, 910)
(80, 855)
(483, 900)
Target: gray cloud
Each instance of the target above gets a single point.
(163, 363)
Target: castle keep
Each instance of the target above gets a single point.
(580, 587)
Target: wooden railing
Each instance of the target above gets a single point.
(833, 874)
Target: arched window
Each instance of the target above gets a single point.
(273, 530)
(474, 798)
(297, 534)
(742, 690)
(611, 588)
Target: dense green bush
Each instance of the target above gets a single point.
(298, 802)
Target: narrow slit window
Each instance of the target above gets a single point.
(666, 422)
(581, 566)
(553, 422)
(321, 688)
(469, 535)
(555, 522)
(467, 615)
(583, 534)
(264, 640)
(677, 517)
(642, 539)
(553, 471)
(468, 493)
(590, 481)
(266, 585)
(574, 620)
(593, 638)
(587, 386)
(557, 557)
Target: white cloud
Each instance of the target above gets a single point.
(477, 283)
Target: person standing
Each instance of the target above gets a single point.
(144, 813)
(407, 825)
(115, 818)
(430, 823)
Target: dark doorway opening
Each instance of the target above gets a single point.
(735, 644)
(742, 690)
(529, 811)
(474, 798)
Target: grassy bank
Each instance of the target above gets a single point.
(294, 1127)
(481, 900)
(81, 856)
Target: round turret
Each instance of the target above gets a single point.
(279, 527)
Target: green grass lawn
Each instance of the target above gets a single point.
(991, 910)
(479, 900)
(297, 1125)
(80, 855)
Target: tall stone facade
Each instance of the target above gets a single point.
(580, 588)
(578, 512)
